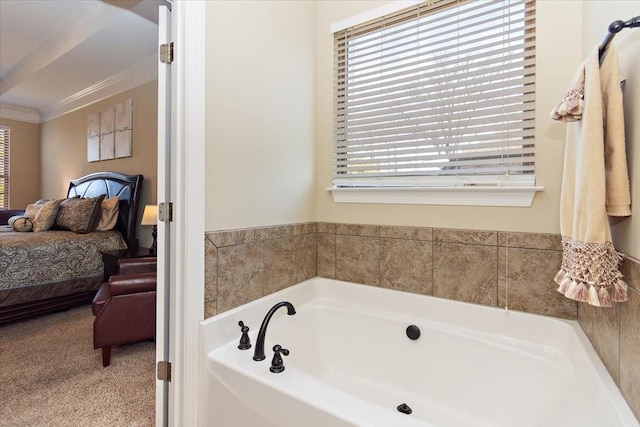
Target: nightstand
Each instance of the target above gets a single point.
(110, 259)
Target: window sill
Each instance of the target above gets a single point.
(457, 196)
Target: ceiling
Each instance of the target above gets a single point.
(60, 55)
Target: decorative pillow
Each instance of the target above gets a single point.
(46, 216)
(108, 214)
(31, 210)
(79, 215)
(20, 223)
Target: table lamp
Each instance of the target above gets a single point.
(150, 217)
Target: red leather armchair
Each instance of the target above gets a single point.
(125, 306)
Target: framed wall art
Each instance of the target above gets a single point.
(110, 132)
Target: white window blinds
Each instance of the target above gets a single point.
(4, 167)
(436, 93)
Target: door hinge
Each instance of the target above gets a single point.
(164, 371)
(166, 53)
(165, 211)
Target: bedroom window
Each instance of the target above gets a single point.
(439, 95)
(4, 167)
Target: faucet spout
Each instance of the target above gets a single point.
(259, 351)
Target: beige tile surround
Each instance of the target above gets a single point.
(615, 334)
(244, 265)
(483, 267)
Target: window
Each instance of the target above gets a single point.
(439, 95)
(4, 167)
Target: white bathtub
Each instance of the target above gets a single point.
(352, 364)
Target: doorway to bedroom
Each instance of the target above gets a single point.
(58, 154)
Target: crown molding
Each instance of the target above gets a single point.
(22, 114)
(141, 73)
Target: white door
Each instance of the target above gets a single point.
(164, 228)
(181, 153)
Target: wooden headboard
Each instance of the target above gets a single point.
(126, 187)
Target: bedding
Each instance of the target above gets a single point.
(31, 260)
(59, 264)
(20, 223)
(108, 214)
(79, 215)
(42, 214)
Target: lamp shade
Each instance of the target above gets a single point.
(150, 215)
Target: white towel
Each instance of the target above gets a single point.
(595, 183)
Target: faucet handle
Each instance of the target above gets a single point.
(245, 342)
(277, 365)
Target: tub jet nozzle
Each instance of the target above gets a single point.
(413, 332)
(404, 408)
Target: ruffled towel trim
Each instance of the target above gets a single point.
(570, 108)
(590, 273)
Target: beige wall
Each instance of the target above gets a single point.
(24, 169)
(597, 17)
(64, 148)
(259, 101)
(556, 61)
(260, 113)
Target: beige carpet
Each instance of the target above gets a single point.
(50, 375)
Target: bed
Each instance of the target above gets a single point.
(52, 270)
